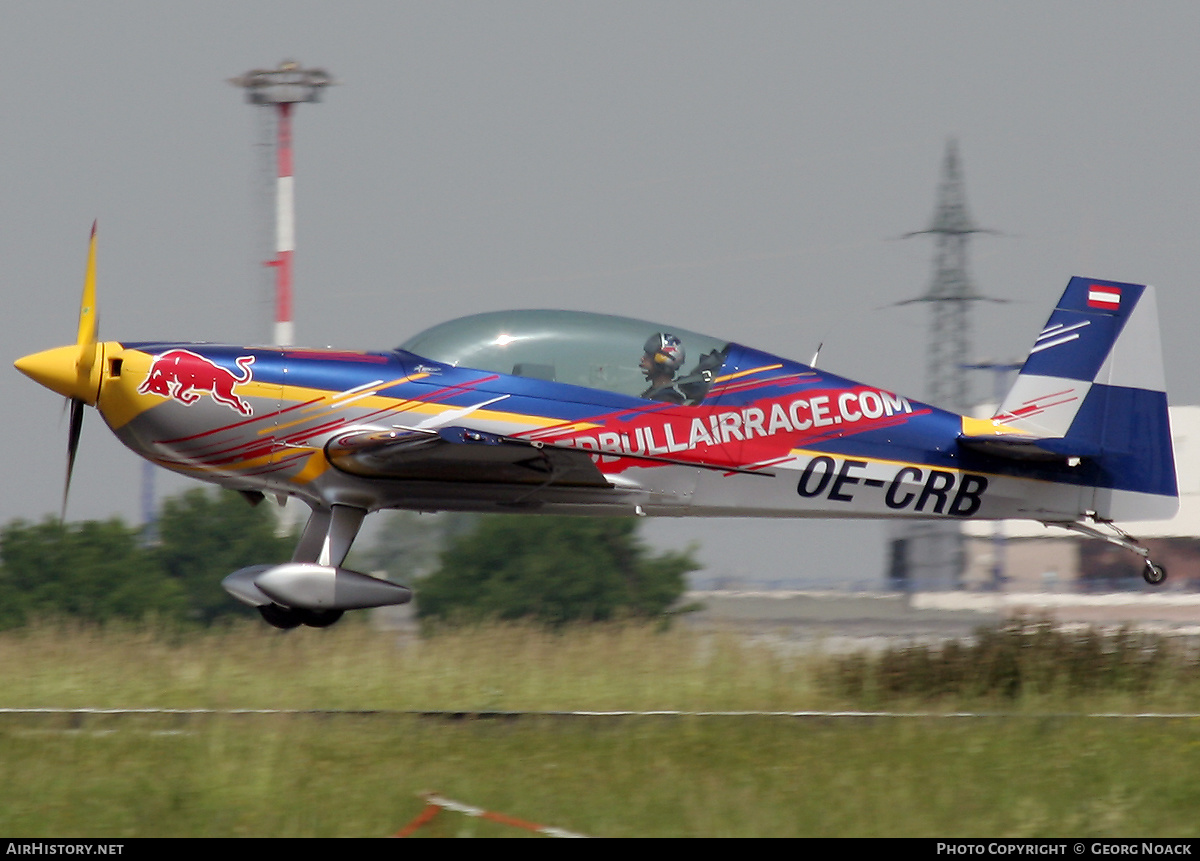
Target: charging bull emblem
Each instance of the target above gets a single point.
(186, 376)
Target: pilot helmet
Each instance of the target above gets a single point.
(666, 351)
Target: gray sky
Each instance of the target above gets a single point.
(738, 168)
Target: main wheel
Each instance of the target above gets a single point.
(1154, 574)
(319, 618)
(284, 618)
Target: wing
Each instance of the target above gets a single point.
(464, 454)
(461, 454)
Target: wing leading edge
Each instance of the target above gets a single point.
(465, 454)
(461, 455)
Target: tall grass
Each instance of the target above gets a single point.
(352, 666)
(300, 775)
(498, 667)
(1025, 661)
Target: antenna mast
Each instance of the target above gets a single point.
(282, 88)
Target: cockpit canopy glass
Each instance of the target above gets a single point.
(594, 350)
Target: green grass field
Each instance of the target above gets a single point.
(1025, 774)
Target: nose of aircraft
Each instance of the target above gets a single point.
(66, 370)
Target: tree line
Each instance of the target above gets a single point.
(465, 567)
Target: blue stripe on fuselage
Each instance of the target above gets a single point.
(1122, 434)
(1081, 332)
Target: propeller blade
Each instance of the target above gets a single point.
(86, 359)
(86, 339)
(72, 447)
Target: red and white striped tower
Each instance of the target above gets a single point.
(285, 228)
(282, 88)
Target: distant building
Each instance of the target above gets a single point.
(1025, 556)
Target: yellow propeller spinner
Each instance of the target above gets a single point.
(73, 371)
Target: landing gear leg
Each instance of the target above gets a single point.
(328, 535)
(1152, 573)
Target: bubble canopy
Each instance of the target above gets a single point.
(598, 351)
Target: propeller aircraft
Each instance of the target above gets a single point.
(566, 412)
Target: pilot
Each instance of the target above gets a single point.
(662, 359)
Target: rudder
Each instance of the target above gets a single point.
(1093, 387)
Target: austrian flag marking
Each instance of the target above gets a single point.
(1106, 298)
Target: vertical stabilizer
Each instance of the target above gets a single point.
(1093, 387)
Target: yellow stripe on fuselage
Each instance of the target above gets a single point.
(729, 377)
(423, 408)
(324, 399)
(988, 427)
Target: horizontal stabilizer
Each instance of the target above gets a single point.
(1027, 448)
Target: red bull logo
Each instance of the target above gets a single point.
(186, 377)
